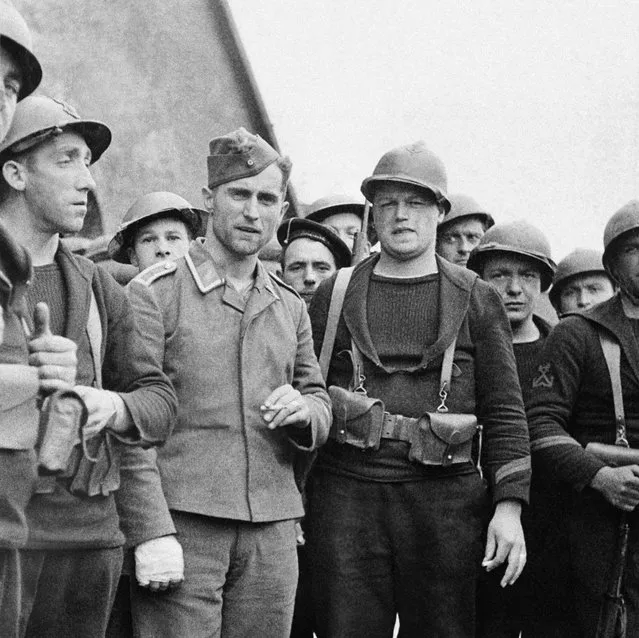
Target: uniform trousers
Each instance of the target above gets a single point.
(593, 526)
(68, 593)
(10, 593)
(412, 548)
(239, 582)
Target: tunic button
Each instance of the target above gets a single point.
(250, 162)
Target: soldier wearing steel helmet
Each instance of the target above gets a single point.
(53, 357)
(343, 214)
(73, 557)
(462, 228)
(397, 527)
(515, 259)
(157, 226)
(572, 406)
(581, 281)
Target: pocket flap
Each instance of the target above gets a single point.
(453, 429)
(351, 405)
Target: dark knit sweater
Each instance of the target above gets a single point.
(49, 286)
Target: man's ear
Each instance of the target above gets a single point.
(283, 211)
(208, 196)
(15, 174)
(133, 258)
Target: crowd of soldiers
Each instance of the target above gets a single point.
(389, 430)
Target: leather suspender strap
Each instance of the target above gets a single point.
(446, 374)
(334, 312)
(94, 332)
(612, 355)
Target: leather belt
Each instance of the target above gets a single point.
(398, 427)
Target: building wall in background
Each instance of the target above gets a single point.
(166, 77)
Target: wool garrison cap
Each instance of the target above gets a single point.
(296, 228)
(236, 155)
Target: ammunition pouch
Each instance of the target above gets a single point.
(443, 438)
(62, 418)
(357, 418)
(614, 455)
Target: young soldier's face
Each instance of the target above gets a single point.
(345, 225)
(583, 291)
(306, 264)
(458, 239)
(11, 85)
(158, 240)
(518, 281)
(55, 180)
(245, 213)
(406, 219)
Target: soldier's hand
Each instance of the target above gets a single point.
(159, 563)
(505, 541)
(102, 407)
(53, 355)
(285, 406)
(619, 486)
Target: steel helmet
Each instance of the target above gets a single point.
(465, 206)
(519, 238)
(413, 164)
(324, 207)
(38, 118)
(581, 261)
(623, 221)
(15, 37)
(143, 210)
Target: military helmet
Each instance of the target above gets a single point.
(519, 238)
(39, 118)
(143, 210)
(15, 37)
(324, 207)
(414, 164)
(622, 222)
(465, 206)
(581, 261)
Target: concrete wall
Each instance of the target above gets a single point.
(166, 76)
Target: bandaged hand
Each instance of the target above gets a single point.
(106, 409)
(159, 563)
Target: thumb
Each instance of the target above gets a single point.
(41, 320)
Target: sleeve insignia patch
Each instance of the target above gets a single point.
(544, 378)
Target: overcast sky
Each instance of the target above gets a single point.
(533, 104)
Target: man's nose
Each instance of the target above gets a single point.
(85, 179)
(250, 208)
(163, 247)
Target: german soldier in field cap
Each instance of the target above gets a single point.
(73, 557)
(237, 346)
(310, 253)
(399, 512)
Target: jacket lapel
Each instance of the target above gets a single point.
(78, 287)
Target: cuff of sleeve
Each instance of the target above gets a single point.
(514, 491)
(122, 427)
(591, 466)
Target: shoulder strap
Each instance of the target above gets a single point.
(334, 312)
(94, 332)
(612, 355)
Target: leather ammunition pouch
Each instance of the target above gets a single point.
(357, 418)
(442, 438)
(62, 417)
(614, 455)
